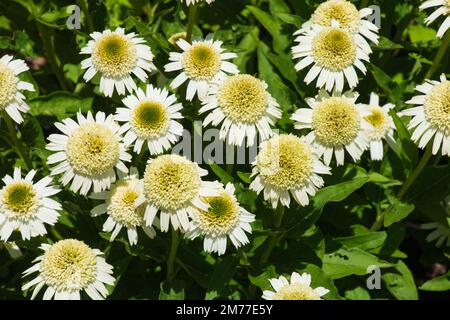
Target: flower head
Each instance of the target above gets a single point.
(67, 268)
(334, 53)
(431, 118)
(244, 106)
(26, 205)
(11, 99)
(200, 63)
(287, 165)
(223, 219)
(173, 187)
(150, 117)
(299, 288)
(443, 10)
(336, 125)
(378, 125)
(125, 206)
(347, 15)
(116, 56)
(88, 152)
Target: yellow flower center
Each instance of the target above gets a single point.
(243, 98)
(285, 162)
(334, 49)
(69, 265)
(20, 200)
(437, 107)
(343, 12)
(171, 182)
(92, 149)
(296, 291)
(201, 61)
(336, 122)
(221, 217)
(114, 55)
(122, 207)
(379, 121)
(8, 86)
(150, 119)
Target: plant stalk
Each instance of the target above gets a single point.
(439, 55)
(192, 15)
(279, 213)
(19, 147)
(172, 255)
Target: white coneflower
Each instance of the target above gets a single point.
(244, 107)
(378, 125)
(432, 116)
(25, 206)
(11, 99)
(67, 268)
(200, 63)
(333, 53)
(223, 219)
(336, 125)
(12, 248)
(116, 56)
(87, 152)
(173, 187)
(298, 289)
(443, 10)
(125, 206)
(348, 17)
(287, 164)
(150, 118)
(189, 2)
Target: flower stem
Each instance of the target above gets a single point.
(192, 15)
(55, 63)
(406, 185)
(172, 255)
(439, 55)
(279, 213)
(89, 22)
(19, 147)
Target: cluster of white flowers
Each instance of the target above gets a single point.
(91, 153)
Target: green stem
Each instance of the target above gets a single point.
(19, 147)
(172, 255)
(89, 22)
(439, 55)
(191, 21)
(413, 176)
(279, 213)
(55, 63)
(406, 185)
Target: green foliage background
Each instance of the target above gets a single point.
(331, 238)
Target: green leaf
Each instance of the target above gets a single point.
(401, 283)
(262, 280)
(245, 176)
(359, 293)
(397, 211)
(421, 34)
(60, 104)
(280, 41)
(222, 273)
(297, 21)
(222, 174)
(364, 241)
(441, 283)
(345, 262)
(168, 293)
